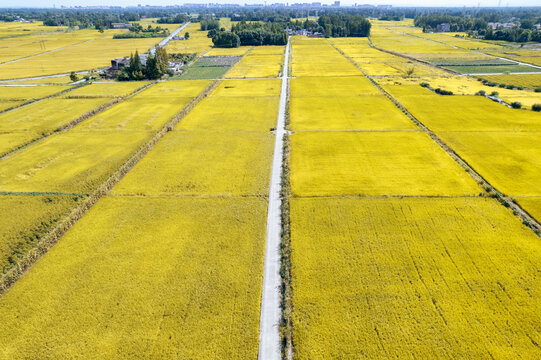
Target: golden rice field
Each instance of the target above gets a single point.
(145, 277)
(508, 160)
(372, 112)
(107, 89)
(36, 215)
(332, 86)
(528, 81)
(9, 104)
(39, 43)
(469, 113)
(416, 277)
(532, 205)
(27, 93)
(47, 115)
(396, 251)
(204, 162)
(241, 50)
(98, 50)
(233, 113)
(317, 57)
(251, 87)
(17, 28)
(198, 42)
(150, 109)
(257, 66)
(373, 163)
(71, 162)
(55, 80)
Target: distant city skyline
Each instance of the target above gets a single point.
(124, 3)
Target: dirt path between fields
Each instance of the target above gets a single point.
(269, 328)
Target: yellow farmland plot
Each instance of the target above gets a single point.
(20, 47)
(256, 66)
(35, 215)
(371, 112)
(526, 99)
(197, 43)
(374, 163)
(110, 89)
(148, 110)
(332, 86)
(29, 92)
(268, 50)
(317, 57)
(8, 104)
(532, 205)
(252, 88)
(241, 50)
(97, 54)
(204, 162)
(14, 140)
(415, 91)
(508, 160)
(233, 113)
(145, 278)
(413, 278)
(47, 115)
(528, 81)
(473, 113)
(71, 162)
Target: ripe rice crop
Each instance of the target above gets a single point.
(532, 205)
(20, 93)
(8, 104)
(71, 162)
(228, 51)
(31, 218)
(98, 53)
(145, 277)
(413, 277)
(332, 86)
(233, 113)
(13, 140)
(47, 115)
(151, 109)
(317, 57)
(374, 163)
(268, 50)
(112, 89)
(197, 43)
(372, 112)
(508, 160)
(532, 81)
(469, 113)
(57, 80)
(204, 162)
(257, 66)
(251, 88)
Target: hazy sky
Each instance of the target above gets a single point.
(58, 3)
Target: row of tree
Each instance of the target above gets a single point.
(209, 24)
(154, 68)
(177, 19)
(138, 31)
(249, 34)
(344, 25)
(523, 31)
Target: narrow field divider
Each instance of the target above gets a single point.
(47, 242)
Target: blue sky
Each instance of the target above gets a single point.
(58, 3)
